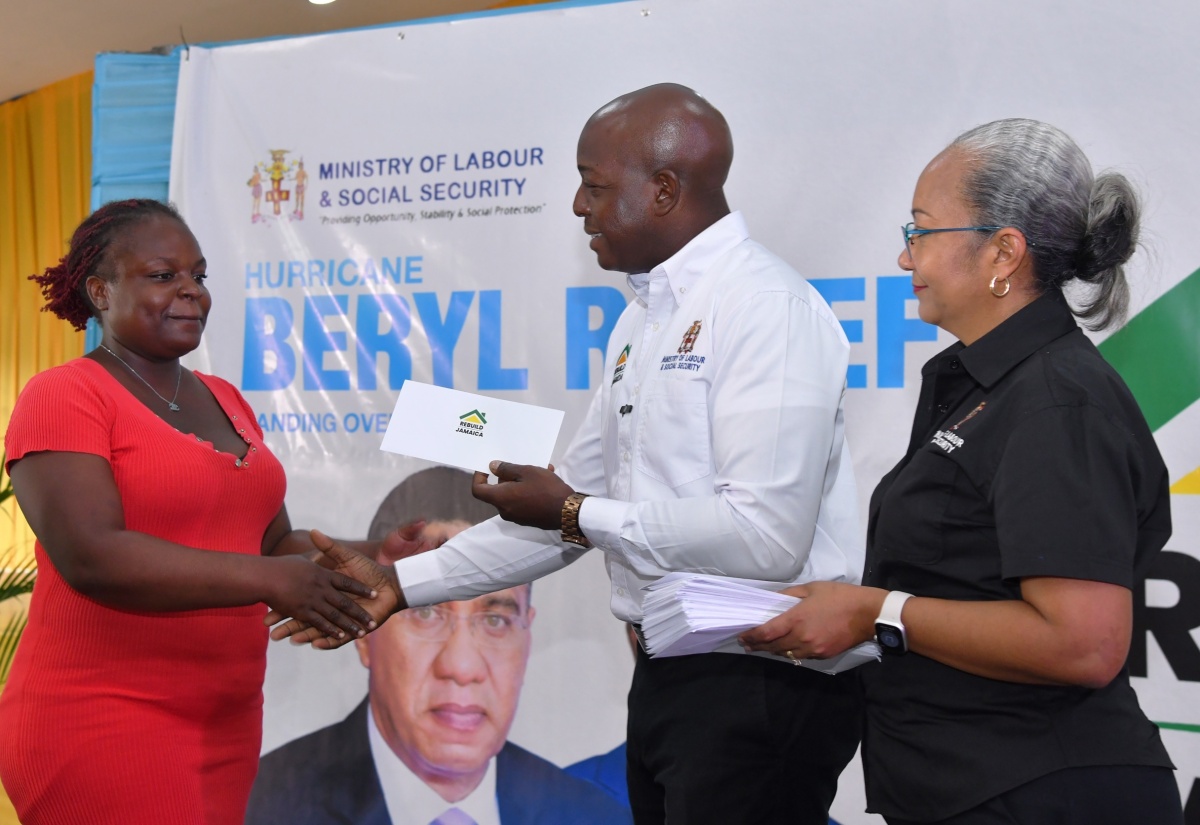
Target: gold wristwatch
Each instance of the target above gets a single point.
(570, 520)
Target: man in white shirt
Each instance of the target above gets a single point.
(714, 445)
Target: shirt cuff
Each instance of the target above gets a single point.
(421, 580)
(601, 520)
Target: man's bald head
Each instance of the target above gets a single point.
(653, 165)
(668, 126)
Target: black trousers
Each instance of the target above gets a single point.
(728, 739)
(1116, 795)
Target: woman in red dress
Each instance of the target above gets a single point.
(136, 695)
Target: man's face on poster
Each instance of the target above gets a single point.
(444, 680)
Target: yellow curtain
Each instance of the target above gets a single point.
(45, 191)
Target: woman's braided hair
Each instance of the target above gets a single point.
(64, 285)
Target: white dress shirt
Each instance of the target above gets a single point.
(714, 445)
(410, 800)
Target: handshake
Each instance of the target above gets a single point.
(368, 590)
(353, 587)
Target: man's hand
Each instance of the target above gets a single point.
(406, 540)
(532, 496)
(389, 598)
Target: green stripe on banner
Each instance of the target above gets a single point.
(1158, 352)
(1179, 726)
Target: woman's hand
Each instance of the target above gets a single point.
(379, 581)
(328, 600)
(833, 617)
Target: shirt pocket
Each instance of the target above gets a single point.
(674, 442)
(912, 524)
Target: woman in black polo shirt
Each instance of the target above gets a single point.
(1030, 500)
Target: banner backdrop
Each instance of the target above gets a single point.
(395, 203)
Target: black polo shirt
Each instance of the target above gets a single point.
(1028, 457)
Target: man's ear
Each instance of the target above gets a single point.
(97, 292)
(666, 192)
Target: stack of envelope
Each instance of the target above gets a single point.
(686, 613)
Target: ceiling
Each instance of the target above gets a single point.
(42, 41)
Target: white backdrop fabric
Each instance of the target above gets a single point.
(436, 242)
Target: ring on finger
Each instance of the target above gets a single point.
(792, 657)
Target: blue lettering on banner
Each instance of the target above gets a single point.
(297, 422)
(374, 195)
(268, 324)
(443, 332)
(391, 167)
(847, 289)
(319, 340)
(364, 168)
(383, 323)
(492, 376)
(895, 329)
(582, 338)
(373, 312)
(470, 190)
(498, 160)
(314, 272)
(366, 422)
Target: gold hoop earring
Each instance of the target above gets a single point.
(1007, 286)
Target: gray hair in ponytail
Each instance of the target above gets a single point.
(1032, 176)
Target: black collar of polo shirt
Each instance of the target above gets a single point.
(1046, 319)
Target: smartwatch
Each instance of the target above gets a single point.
(889, 630)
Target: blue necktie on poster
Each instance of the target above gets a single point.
(454, 816)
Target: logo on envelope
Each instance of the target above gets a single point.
(472, 423)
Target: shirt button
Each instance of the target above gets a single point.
(620, 591)
(943, 408)
(654, 327)
(954, 364)
(625, 456)
(683, 289)
(636, 388)
(237, 462)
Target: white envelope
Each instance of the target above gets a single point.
(461, 429)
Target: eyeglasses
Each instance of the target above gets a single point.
(910, 231)
(437, 624)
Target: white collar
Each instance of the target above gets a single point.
(409, 799)
(685, 267)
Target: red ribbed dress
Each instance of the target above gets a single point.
(126, 717)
